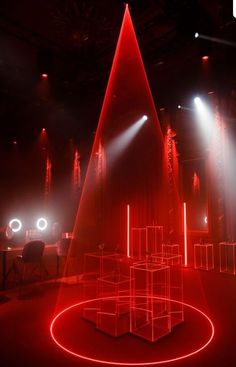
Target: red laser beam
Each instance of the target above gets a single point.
(127, 98)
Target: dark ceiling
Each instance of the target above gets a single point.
(74, 41)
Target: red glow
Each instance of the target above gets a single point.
(101, 163)
(185, 236)
(128, 230)
(125, 363)
(44, 75)
(48, 178)
(205, 58)
(76, 178)
(43, 142)
(196, 183)
(171, 168)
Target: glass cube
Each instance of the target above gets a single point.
(203, 256)
(150, 300)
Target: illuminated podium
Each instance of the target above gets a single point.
(176, 284)
(138, 243)
(203, 256)
(172, 249)
(96, 265)
(227, 257)
(113, 316)
(146, 240)
(154, 239)
(150, 300)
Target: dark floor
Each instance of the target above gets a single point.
(24, 324)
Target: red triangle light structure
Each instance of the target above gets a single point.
(127, 159)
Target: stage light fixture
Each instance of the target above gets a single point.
(205, 220)
(15, 224)
(205, 58)
(179, 106)
(44, 75)
(42, 224)
(144, 118)
(215, 39)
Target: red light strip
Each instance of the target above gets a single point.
(185, 236)
(128, 230)
(116, 363)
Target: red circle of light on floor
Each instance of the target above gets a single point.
(66, 348)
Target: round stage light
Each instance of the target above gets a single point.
(179, 106)
(42, 224)
(196, 35)
(15, 224)
(145, 117)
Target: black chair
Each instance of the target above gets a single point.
(30, 262)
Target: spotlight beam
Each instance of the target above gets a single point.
(204, 117)
(120, 143)
(215, 39)
(185, 108)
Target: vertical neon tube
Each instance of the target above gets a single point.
(185, 237)
(128, 230)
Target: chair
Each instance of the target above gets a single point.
(30, 262)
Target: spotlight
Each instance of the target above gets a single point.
(196, 35)
(42, 224)
(44, 75)
(179, 106)
(205, 58)
(205, 220)
(15, 224)
(144, 117)
(197, 101)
